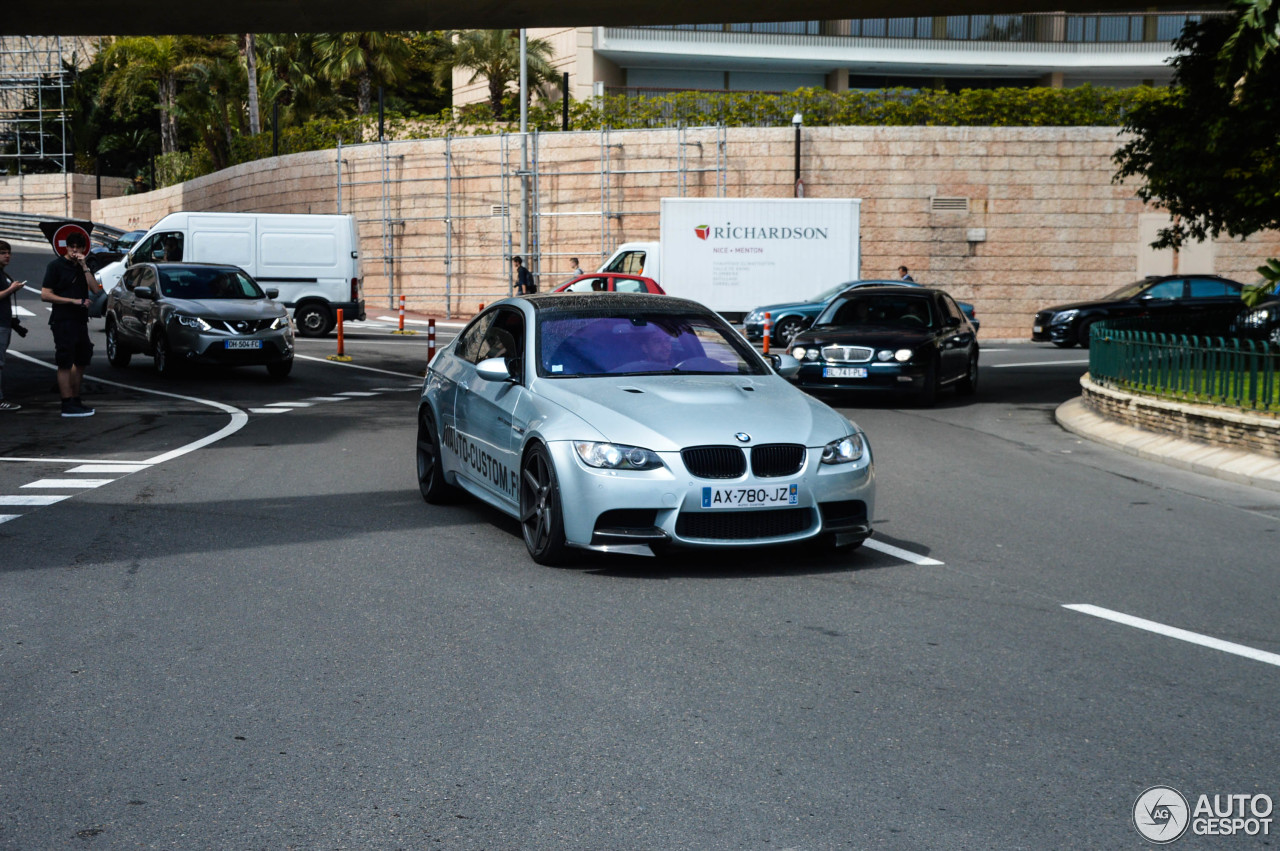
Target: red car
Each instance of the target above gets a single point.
(610, 282)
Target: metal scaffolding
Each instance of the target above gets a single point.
(35, 74)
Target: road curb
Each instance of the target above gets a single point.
(1233, 465)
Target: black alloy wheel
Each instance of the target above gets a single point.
(165, 364)
(968, 385)
(280, 369)
(117, 355)
(1083, 334)
(431, 483)
(313, 320)
(927, 395)
(540, 519)
(787, 330)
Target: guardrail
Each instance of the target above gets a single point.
(1215, 370)
(26, 226)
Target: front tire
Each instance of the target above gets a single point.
(787, 330)
(117, 355)
(927, 395)
(541, 521)
(313, 320)
(163, 357)
(431, 483)
(280, 369)
(968, 385)
(1083, 335)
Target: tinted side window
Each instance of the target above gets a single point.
(630, 263)
(472, 336)
(130, 279)
(505, 339)
(1165, 289)
(1211, 288)
(626, 285)
(952, 309)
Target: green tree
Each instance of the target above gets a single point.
(495, 55)
(146, 68)
(368, 58)
(289, 76)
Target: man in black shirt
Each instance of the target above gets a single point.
(67, 282)
(524, 278)
(8, 286)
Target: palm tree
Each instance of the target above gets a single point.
(289, 76)
(250, 53)
(144, 67)
(1256, 35)
(366, 57)
(495, 55)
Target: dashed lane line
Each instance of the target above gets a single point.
(1039, 363)
(356, 366)
(42, 499)
(1174, 632)
(898, 552)
(109, 468)
(327, 399)
(68, 483)
(270, 410)
(5, 518)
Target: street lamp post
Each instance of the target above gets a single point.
(797, 121)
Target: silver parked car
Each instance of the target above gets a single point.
(189, 312)
(628, 423)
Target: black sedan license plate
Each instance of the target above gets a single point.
(749, 497)
(244, 344)
(844, 372)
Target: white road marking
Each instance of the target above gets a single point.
(65, 460)
(269, 410)
(108, 468)
(1039, 363)
(1174, 632)
(328, 399)
(4, 518)
(356, 393)
(289, 405)
(68, 483)
(398, 389)
(355, 366)
(898, 552)
(43, 499)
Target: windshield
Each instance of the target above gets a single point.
(641, 343)
(1128, 290)
(881, 310)
(832, 292)
(196, 282)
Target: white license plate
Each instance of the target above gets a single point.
(1037, 328)
(244, 344)
(750, 497)
(844, 372)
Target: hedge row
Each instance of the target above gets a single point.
(1035, 107)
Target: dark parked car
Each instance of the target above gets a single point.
(1260, 322)
(107, 249)
(1156, 296)
(790, 318)
(889, 338)
(187, 312)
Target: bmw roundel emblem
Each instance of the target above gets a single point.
(743, 437)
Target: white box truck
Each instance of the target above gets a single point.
(734, 254)
(311, 258)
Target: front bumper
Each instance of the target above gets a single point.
(1043, 330)
(634, 511)
(193, 345)
(881, 376)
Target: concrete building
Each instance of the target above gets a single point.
(956, 51)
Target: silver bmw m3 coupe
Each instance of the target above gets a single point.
(633, 423)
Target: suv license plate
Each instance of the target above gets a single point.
(844, 372)
(750, 497)
(244, 344)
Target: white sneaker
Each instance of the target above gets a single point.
(9, 406)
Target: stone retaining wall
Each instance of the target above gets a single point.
(1039, 220)
(69, 195)
(1225, 427)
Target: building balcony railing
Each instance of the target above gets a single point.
(1039, 27)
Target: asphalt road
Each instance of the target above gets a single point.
(270, 641)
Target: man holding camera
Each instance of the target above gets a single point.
(8, 322)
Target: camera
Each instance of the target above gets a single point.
(18, 327)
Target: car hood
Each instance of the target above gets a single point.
(790, 307)
(1082, 305)
(670, 412)
(227, 308)
(876, 338)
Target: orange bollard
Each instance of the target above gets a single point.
(481, 310)
(402, 313)
(341, 355)
(431, 340)
(768, 324)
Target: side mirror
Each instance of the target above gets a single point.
(785, 365)
(953, 322)
(273, 293)
(144, 292)
(493, 369)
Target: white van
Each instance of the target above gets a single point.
(636, 258)
(312, 259)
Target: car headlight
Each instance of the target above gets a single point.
(844, 450)
(799, 352)
(280, 322)
(1063, 316)
(754, 316)
(192, 322)
(902, 355)
(616, 456)
(884, 354)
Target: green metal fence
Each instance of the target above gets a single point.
(1211, 370)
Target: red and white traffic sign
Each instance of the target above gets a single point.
(60, 238)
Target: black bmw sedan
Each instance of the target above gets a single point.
(892, 338)
(1170, 296)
